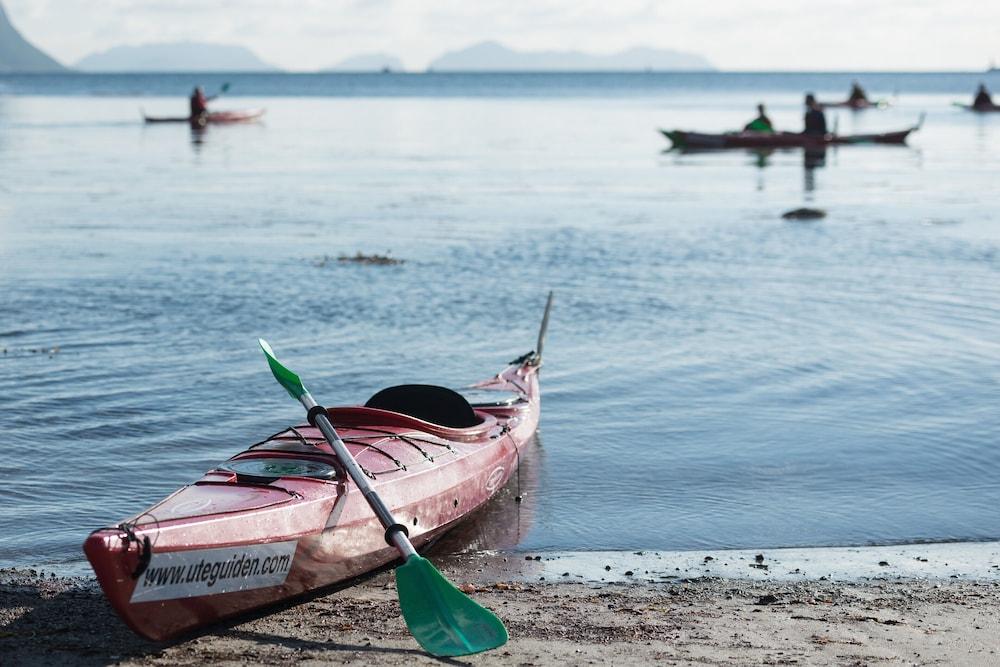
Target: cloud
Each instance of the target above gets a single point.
(310, 34)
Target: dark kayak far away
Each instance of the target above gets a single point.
(213, 118)
(978, 108)
(856, 105)
(685, 139)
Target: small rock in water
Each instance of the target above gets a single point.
(759, 558)
(883, 563)
(804, 214)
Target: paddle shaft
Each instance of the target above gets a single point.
(544, 327)
(395, 532)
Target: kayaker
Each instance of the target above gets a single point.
(857, 95)
(761, 123)
(199, 103)
(983, 98)
(815, 120)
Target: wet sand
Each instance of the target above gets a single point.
(47, 620)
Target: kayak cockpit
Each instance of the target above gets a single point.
(427, 402)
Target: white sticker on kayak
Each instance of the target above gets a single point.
(493, 481)
(188, 574)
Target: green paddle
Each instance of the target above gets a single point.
(443, 620)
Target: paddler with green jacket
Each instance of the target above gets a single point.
(761, 123)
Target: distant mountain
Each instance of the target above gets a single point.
(368, 62)
(18, 55)
(495, 57)
(175, 57)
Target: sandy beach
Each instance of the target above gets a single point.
(45, 619)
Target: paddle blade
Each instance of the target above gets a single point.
(224, 87)
(286, 378)
(444, 620)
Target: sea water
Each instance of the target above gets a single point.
(715, 376)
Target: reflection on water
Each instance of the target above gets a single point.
(506, 520)
(812, 158)
(198, 134)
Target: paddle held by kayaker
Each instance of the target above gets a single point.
(761, 123)
(983, 98)
(815, 119)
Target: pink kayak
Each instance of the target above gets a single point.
(213, 118)
(281, 519)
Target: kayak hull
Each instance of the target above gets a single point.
(231, 543)
(701, 140)
(213, 118)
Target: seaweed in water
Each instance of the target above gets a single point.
(360, 258)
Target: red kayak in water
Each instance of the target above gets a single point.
(281, 518)
(212, 118)
(684, 139)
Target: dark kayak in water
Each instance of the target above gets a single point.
(684, 139)
(856, 105)
(213, 118)
(980, 108)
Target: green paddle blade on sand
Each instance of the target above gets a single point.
(286, 378)
(444, 620)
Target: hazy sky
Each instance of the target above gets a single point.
(733, 34)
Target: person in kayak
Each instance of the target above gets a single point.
(761, 123)
(857, 95)
(815, 120)
(199, 103)
(983, 98)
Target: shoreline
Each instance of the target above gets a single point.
(921, 560)
(678, 613)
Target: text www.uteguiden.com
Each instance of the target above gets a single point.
(209, 572)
